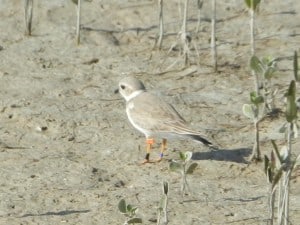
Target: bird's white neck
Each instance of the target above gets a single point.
(133, 95)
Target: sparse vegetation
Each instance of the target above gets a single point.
(261, 99)
(23, 113)
(129, 211)
(253, 6)
(254, 111)
(265, 69)
(281, 164)
(185, 166)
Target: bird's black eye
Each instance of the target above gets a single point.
(122, 87)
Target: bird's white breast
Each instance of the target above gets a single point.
(130, 106)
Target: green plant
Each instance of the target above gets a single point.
(282, 163)
(278, 169)
(129, 211)
(265, 69)
(252, 6)
(163, 204)
(185, 166)
(254, 111)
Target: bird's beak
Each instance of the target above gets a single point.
(116, 91)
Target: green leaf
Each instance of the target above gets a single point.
(188, 156)
(276, 150)
(292, 90)
(191, 168)
(122, 206)
(252, 4)
(276, 178)
(269, 61)
(284, 153)
(250, 111)
(291, 107)
(270, 71)
(269, 175)
(175, 166)
(256, 64)
(272, 161)
(131, 208)
(295, 62)
(256, 99)
(135, 220)
(182, 156)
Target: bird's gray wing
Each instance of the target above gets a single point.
(152, 113)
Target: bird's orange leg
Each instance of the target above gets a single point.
(162, 149)
(150, 142)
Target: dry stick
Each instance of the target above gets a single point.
(252, 32)
(161, 24)
(183, 37)
(252, 43)
(183, 27)
(199, 5)
(213, 36)
(78, 22)
(279, 197)
(256, 150)
(28, 16)
(165, 206)
(184, 34)
(272, 202)
(287, 176)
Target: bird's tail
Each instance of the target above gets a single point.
(202, 140)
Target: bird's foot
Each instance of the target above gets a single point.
(158, 160)
(145, 161)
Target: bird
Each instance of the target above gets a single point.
(154, 117)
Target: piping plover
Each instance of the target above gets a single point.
(153, 116)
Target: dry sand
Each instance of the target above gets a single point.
(68, 153)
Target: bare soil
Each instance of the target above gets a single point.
(68, 153)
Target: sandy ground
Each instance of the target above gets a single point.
(68, 153)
